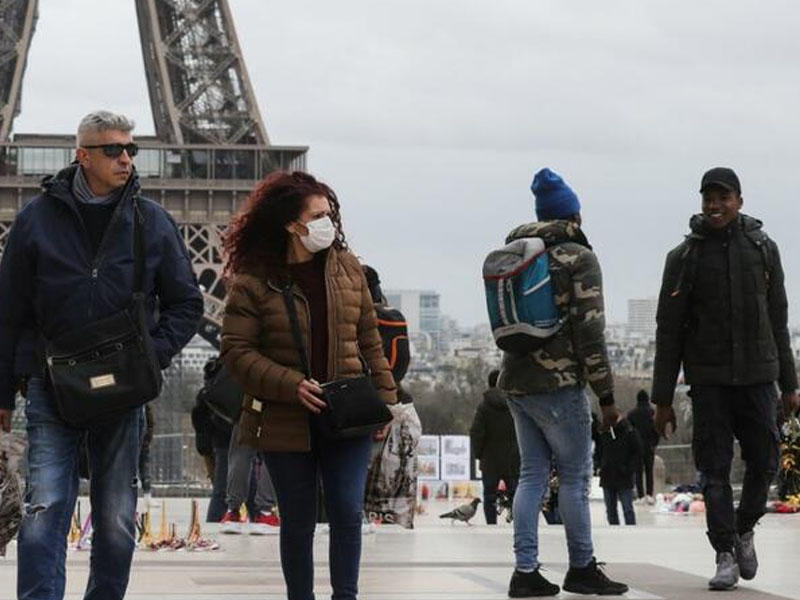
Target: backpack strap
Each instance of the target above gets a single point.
(688, 272)
(688, 258)
(761, 241)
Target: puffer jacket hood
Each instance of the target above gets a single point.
(551, 232)
(495, 399)
(60, 185)
(700, 229)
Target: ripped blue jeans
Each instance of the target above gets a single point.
(113, 452)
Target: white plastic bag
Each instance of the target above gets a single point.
(391, 494)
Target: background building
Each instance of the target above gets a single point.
(642, 316)
(423, 313)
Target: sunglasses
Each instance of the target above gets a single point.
(115, 150)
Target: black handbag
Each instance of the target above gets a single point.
(353, 406)
(222, 395)
(106, 368)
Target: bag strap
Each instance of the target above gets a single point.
(295, 322)
(138, 248)
(760, 240)
(298, 335)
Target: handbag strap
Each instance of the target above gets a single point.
(138, 248)
(295, 322)
(298, 335)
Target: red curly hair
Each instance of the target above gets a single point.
(257, 239)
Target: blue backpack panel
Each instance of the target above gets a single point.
(519, 296)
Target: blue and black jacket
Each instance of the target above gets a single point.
(51, 282)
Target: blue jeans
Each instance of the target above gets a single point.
(625, 497)
(53, 489)
(343, 466)
(554, 426)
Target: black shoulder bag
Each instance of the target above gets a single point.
(223, 395)
(354, 407)
(101, 371)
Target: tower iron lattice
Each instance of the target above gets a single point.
(210, 147)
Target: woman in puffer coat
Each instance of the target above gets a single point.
(290, 233)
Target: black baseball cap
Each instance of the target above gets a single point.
(722, 176)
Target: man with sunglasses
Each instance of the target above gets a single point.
(69, 262)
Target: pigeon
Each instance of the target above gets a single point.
(505, 503)
(462, 513)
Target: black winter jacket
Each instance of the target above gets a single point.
(619, 450)
(493, 438)
(641, 418)
(51, 282)
(722, 311)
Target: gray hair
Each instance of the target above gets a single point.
(103, 120)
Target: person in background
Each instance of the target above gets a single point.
(619, 452)
(641, 418)
(144, 455)
(212, 439)
(494, 444)
(243, 465)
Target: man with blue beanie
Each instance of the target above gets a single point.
(554, 198)
(545, 391)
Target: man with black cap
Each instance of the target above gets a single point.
(722, 313)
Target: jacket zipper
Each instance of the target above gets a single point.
(93, 265)
(332, 362)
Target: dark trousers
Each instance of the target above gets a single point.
(343, 467)
(490, 483)
(624, 497)
(217, 505)
(749, 414)
(644, 474)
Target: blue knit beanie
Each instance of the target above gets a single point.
(554, 198)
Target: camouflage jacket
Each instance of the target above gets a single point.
(576, 355)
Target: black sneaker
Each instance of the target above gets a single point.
(591, 580)
(529, 585)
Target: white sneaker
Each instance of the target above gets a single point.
(650, 500)
(367, 528)
(231, 523)
(266, 523)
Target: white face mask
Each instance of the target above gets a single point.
(321, 234)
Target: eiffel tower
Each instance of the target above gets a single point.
(210, 146)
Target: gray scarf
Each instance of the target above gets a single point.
(83, 193)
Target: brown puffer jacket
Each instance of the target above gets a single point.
(259, 349)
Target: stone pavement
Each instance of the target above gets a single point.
(665, 556)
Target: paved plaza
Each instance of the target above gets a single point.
(665, 556)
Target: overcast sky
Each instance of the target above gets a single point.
(430, 117)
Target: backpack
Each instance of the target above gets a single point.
(519, 296)
(393, 328)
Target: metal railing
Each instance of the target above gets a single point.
(680, 468)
